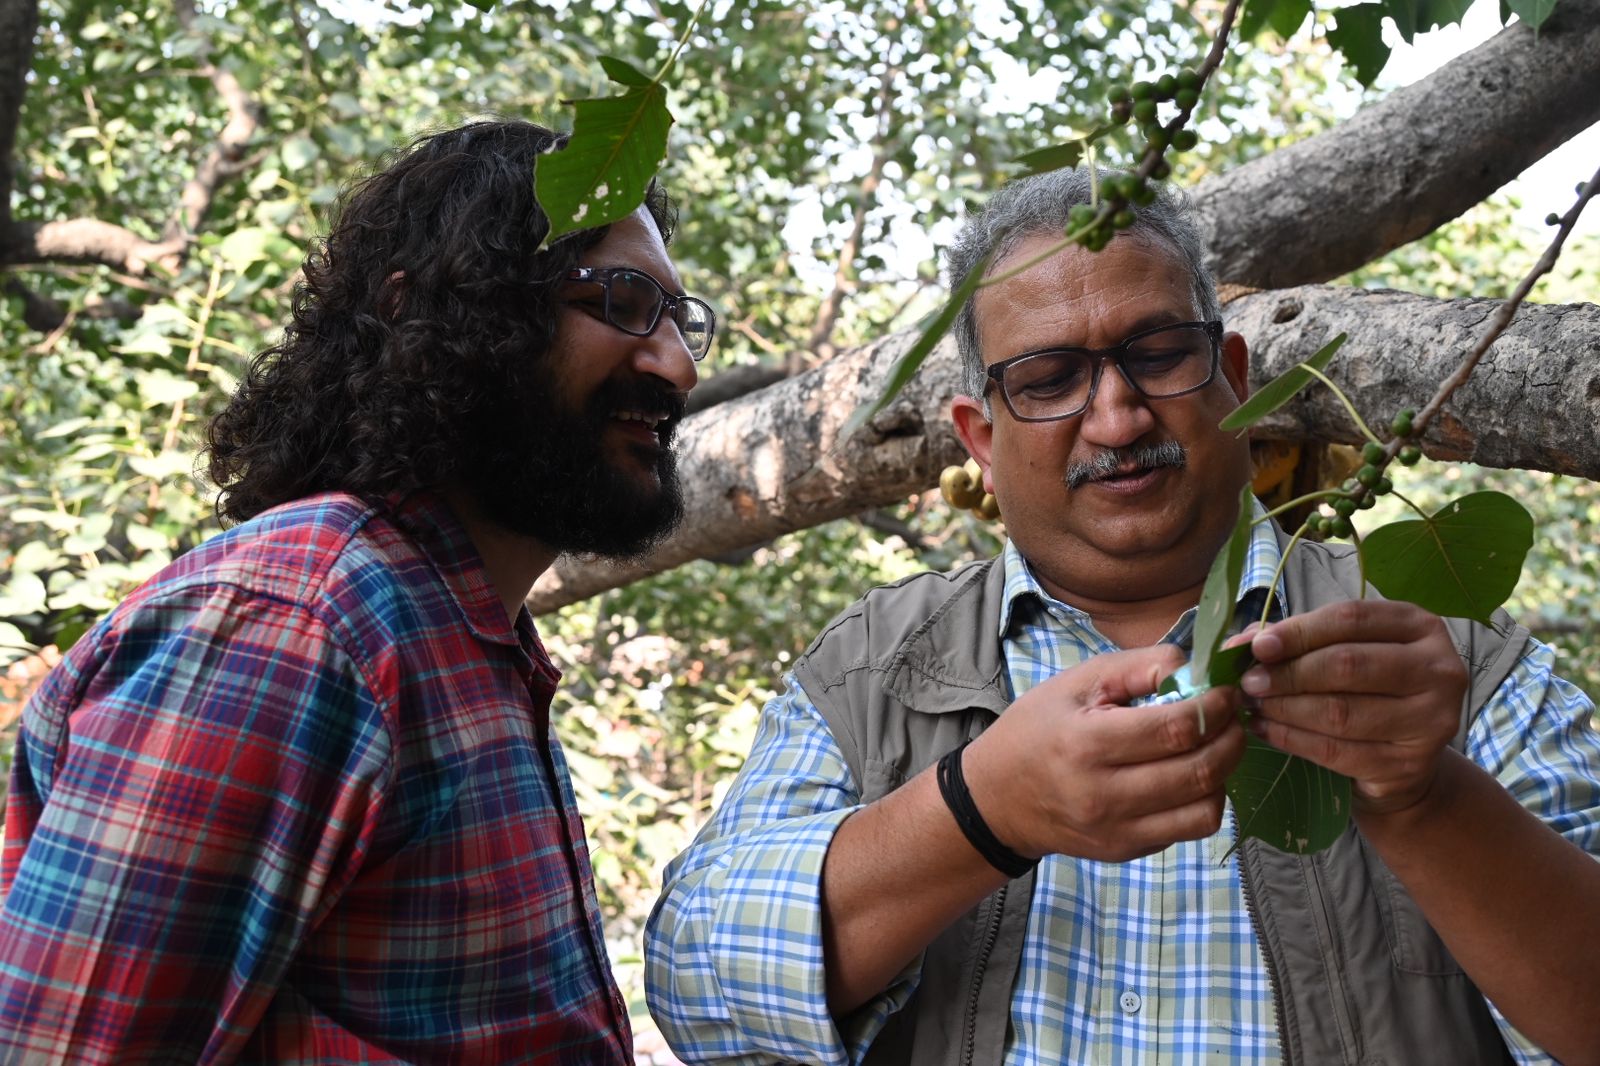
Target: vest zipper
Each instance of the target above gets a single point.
(991, 933)
(1255, 923)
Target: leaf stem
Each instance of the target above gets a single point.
(683, 39)
(1272, 589)
(1348, 406)
(1296, 502)
(1425, 516)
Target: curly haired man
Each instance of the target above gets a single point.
(297, 798)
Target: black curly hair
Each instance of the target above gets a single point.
(427, 300)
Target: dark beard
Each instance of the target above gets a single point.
(539, 470)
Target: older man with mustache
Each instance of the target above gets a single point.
(962, 838)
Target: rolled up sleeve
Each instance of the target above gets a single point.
(734, 968)
(1538, 737)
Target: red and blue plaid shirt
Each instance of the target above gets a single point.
(297, 801)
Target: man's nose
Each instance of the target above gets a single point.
(665, 355)
(1118, 413)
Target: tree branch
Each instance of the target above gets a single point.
(820, 342)
(1410, 162)
(772, 462)
(229, 150)
(19, 22)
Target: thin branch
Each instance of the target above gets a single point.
(229, 149)
(1502, 317)
(820, 341)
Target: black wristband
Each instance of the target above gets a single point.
(953, 787)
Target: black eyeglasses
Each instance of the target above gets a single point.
(634, 301)
(1160, 363)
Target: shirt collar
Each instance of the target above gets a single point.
(1023, 590)
(444, 540)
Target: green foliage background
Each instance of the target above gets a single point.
(783, 110)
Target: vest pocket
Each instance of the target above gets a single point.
(879, 779)
(1413, 944)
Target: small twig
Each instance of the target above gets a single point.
(1502, 316)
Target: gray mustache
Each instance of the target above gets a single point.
(1141, 457)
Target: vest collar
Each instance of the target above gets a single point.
(953, 662)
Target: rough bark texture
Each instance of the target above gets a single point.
(772, 462)
(1404, 165)
(1532, 404)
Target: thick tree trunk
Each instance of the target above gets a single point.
(1532, 404)
(1422, 155)
(772, 462)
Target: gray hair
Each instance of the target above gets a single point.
(1039, 204)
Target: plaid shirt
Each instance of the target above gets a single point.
(297, 801)
(1136, 962)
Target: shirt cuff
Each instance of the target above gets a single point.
(767, 937)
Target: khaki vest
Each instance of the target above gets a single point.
(1358, 976)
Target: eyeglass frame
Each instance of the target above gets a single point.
(1116, 354)
(602, 276)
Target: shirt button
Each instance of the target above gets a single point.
(1130, 1002)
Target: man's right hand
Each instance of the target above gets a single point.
(1070, 769)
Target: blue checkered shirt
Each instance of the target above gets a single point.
(1134, 962)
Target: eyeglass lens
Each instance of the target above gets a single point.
(636, 300)
(1163, 363)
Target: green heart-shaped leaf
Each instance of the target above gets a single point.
(1227, 667)
(1461, 561)
(616, 147)
(1280, 390)
(1287, 802)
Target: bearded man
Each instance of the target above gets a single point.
(297, 799)
(962, 838)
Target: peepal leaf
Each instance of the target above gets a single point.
(1287, 802)
(1221, 593)
(616, 147)
(1359, 36)
(1058, 156)
(1055, 157)
(1227, 667)
(1281, 389)
(908, 364)
(1462, 561)
(1533, 12)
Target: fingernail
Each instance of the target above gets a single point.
(1254, 682)
(1267, 645)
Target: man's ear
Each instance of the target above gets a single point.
(1236, 364)
(976, 433)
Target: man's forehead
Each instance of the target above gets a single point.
(1040, 294)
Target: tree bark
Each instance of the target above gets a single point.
(1399, 168)
(772, 462)
(88, 240)
(19, 22)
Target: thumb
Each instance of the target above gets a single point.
(1116, 678)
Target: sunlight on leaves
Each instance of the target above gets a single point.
(1463, 561)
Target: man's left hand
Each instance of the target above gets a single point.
(1367, 688)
